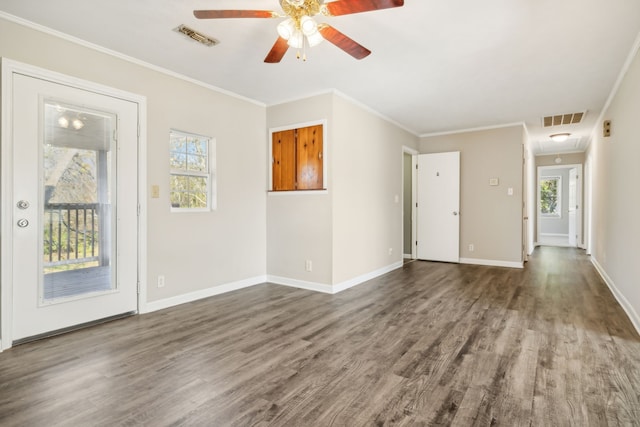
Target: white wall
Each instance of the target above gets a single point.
(367, 191)
(347, 231)
(299, 225)
(616, 200)
(490, 219)
(196, 251)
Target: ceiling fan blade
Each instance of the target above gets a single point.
(346, 7)
(343, 42)
(277, 51)
(222, 14)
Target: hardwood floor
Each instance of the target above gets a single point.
(428, 344)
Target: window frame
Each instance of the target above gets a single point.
(558, 213)
(210, 174)
(325, 178)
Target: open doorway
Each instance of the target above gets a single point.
(559, 205)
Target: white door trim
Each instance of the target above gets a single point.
(9, 68)
(414, 197)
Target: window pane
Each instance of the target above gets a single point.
(190, 177)
(177, 160)
(198, 192)
(550, 196)
(197, 163)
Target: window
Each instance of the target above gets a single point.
(550, 195)
(192, 183)
(297, 159)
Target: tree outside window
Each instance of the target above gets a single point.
(191, 170)
(550, 192)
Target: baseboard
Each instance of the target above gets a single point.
(622, 300)
(366, 277)
(333, 289)
(204, 293)
(407, 256)
(492, 263)
(234, 286)
(301, 284)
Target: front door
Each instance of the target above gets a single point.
(74, 206)
(438, 207)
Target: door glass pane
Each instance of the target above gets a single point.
(77, 216)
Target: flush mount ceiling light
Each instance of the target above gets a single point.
(559, 137)
(299, 29)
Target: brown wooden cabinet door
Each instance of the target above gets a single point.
(284, 170)
(297, 159)
(309, 158)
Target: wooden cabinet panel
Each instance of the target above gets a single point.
(297, 162)
(309, 158)
(284, 168)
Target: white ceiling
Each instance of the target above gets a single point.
(436, 66)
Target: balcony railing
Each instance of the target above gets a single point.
(71, 234)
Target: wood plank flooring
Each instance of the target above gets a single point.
(429, 344)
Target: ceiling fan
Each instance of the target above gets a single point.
(300, 29)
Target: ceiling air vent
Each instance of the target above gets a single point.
(199, 37)
(562, 119)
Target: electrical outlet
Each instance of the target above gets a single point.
(161, 281)
(308, 265)
(471, 248)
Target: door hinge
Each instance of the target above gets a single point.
(416, 166)
(138, 210)
(115, 135)
(138, 286)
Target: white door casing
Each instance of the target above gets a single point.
(573, 206)
(24, 89)
(438, 228)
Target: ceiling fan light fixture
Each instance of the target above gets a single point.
(559, 137)
(286, 28)
(308, 25)
(296, 40)
(315, 39)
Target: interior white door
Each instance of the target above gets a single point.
(74, 235)
(439, 207)
(573, 206)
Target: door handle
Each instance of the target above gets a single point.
(23, 223)
(22, 204)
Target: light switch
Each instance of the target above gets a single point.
(494, 181)
(155, 191)
(510, 191)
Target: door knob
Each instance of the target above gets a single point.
(22, 223)
(22, 204)
(455, 213)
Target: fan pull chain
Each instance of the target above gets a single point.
(304, 49)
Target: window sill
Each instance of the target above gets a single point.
(297, 192)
